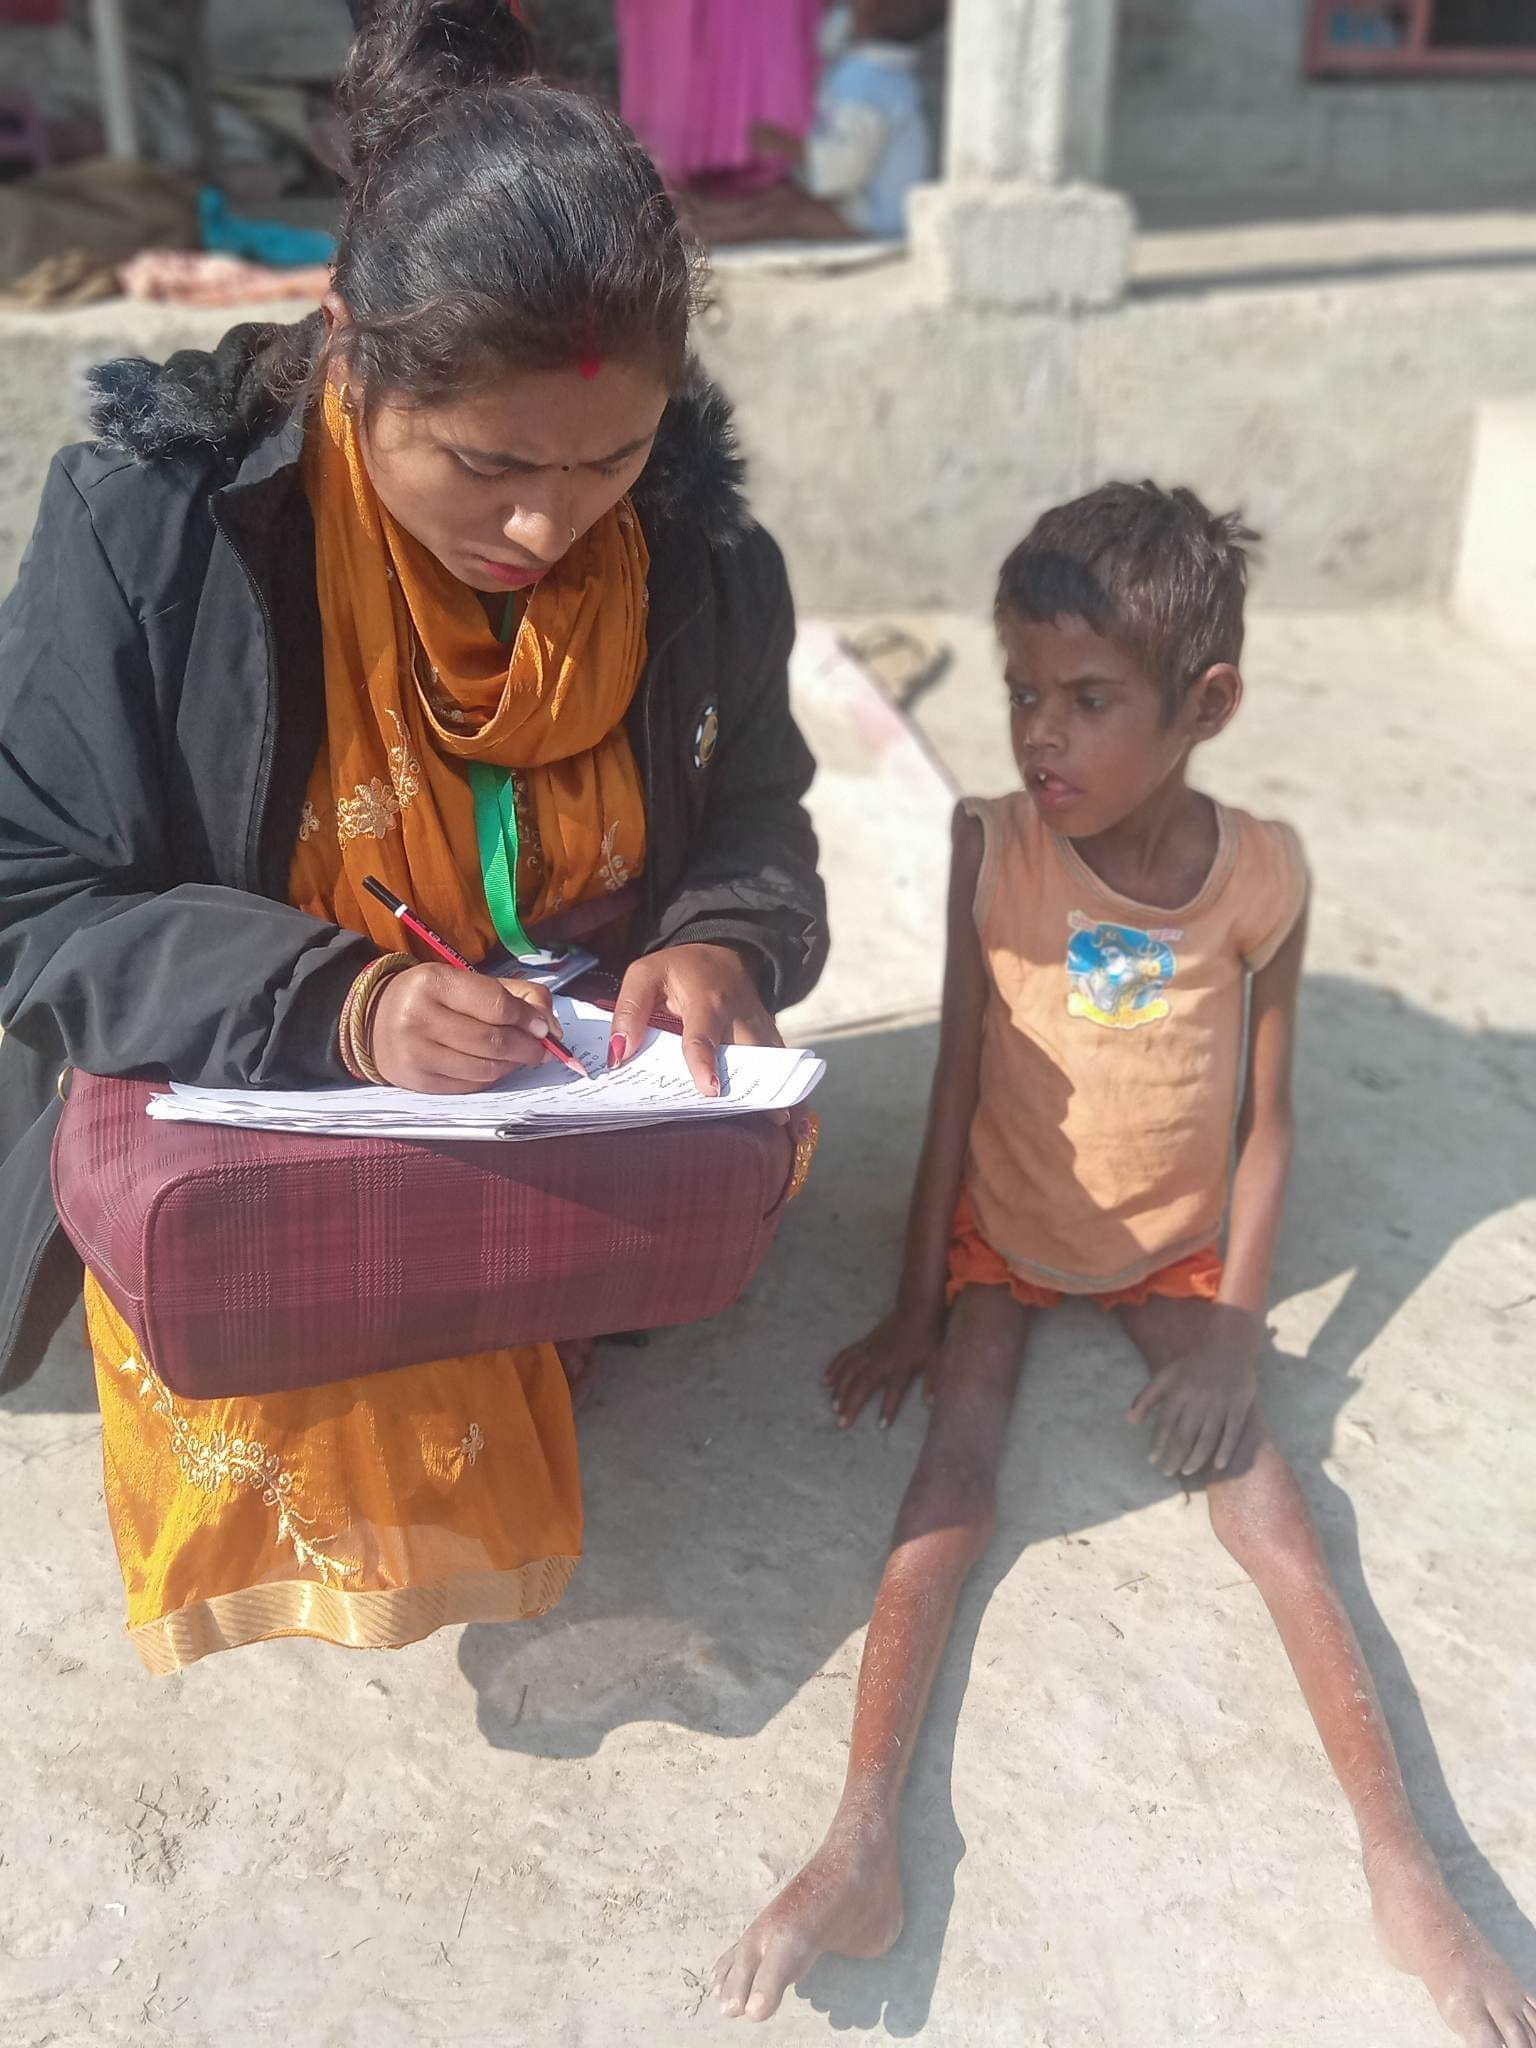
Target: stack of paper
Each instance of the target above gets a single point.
(547, 1101)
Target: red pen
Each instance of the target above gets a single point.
(399, 908)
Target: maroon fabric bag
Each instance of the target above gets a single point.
(251, 1262)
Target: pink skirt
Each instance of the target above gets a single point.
(696, 75)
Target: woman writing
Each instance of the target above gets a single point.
(466, 547)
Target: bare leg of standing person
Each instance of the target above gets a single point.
(1258, 1512)
(847, 1900)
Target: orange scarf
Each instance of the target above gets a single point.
(417, 683)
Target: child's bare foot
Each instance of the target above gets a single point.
(1425, 1933)
(846, 1902)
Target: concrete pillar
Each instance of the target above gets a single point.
(1021, 219)
(1030, 84)
(114, 70)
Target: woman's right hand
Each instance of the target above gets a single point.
(444, 1032)
(897, 1351)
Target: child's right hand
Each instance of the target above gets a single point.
(895, 1353)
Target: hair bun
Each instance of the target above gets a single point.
(409, 55)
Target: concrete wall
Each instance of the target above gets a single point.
(1214, 105)
(900, 445)
(900, 448)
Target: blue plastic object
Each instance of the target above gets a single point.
(259, 241)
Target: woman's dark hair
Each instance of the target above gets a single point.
(493, 221)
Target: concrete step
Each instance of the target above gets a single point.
(1494, 588)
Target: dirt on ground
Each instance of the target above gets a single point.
(1121, 1827)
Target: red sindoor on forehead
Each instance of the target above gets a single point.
(589, 366)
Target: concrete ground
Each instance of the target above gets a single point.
(1121, 1827)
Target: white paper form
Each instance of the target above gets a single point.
(653, 1087)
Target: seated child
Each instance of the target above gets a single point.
(871, 141)
(1104, 924)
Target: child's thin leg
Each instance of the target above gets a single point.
(847, 1900)
(1258, 1512)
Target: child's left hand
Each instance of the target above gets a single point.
(1203, 1400)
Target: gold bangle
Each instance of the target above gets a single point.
(362, 1035)
(357, 1016)
(346, 1029)
(366, 991)
(344, 1034)
(348, 1060)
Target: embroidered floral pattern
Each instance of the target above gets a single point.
(404, 768)
(614, 868)
(309, 823)
(446, 712)
(373, 811)
(472, 1443)
(370, 814)
(431, 692)
(531, 846)
(219, 1460)
(807, 1138)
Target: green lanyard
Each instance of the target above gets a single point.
(496, 829)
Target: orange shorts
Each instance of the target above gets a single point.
(973, 1263)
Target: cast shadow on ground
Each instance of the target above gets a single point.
(721, 1574)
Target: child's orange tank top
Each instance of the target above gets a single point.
(1113, 1047)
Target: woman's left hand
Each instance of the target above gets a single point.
(710, 990)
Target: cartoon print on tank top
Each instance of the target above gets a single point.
(1117, 976)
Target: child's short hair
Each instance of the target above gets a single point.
(1152, 570)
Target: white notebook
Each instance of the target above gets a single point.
(547, 1101)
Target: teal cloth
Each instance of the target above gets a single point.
(271, 242)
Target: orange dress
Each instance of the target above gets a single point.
(370, 1513)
